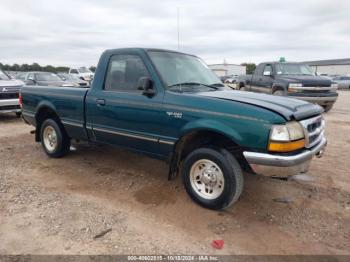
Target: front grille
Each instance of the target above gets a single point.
(8, 95)
(315, 84)
(314, 128)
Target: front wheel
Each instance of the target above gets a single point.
(54, 139)
(212, 178)
(278, 93)
(327, 107)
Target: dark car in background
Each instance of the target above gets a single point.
(9, 94)
(44, 79)
(295, 80)
(73, 79)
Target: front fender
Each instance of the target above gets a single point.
(214, 126)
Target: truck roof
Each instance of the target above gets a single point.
(145, 50)
(277, 62)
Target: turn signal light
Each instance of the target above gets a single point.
(20, 99)
(286, 146)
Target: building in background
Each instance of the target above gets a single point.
(331, 67)
(226, 69)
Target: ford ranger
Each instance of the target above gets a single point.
(171, 106)
(295, 80)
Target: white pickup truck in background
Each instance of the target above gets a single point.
(83, 73)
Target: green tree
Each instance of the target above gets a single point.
(250, 67)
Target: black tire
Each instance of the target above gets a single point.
(63, 141)
(18, 114)
(279, 93)
(327, 107)
(232, 173)
(241, 88)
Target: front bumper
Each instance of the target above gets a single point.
(281, 165)
(322, 100)
(9, 105)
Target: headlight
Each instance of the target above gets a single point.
(295, 85)
(286, 138)
(334, 86)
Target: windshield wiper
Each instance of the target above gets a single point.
(194, 84)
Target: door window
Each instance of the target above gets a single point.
(124, 72)
(267, 68)
(31, 76)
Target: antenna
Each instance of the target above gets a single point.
(178, 28)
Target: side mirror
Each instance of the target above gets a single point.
(267, 73)
(146, 84)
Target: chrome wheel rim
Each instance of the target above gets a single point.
(50, 138)
(207, 179)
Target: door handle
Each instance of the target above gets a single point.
(100, 102)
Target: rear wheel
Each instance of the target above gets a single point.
(212, 178)
(54, 139)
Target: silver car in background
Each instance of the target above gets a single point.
(342, 81)
(9, 94)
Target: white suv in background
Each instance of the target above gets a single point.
(83, 73)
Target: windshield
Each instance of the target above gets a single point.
(180, 69)
(47, 77)
(84, 70)
(3, 76)
(293, 69)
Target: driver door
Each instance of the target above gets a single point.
(121, 114)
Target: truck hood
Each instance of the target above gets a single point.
(11, 83)
(306, 80)
(287, 107)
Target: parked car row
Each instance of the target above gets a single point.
(10, 85)
(51, 79)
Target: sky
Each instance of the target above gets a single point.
(75, 33)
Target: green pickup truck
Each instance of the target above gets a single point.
(171, 106)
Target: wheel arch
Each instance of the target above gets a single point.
(218, 136)
(276, 87)
(44, 111)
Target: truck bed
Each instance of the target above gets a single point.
(66, 102)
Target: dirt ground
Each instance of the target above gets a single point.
(57, 206)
